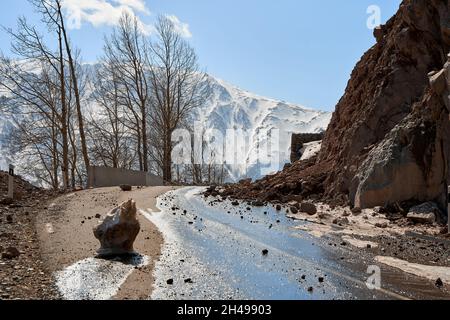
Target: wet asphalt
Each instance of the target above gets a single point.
(214, 250)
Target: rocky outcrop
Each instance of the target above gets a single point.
(385, 85)
(411, 162)
(118, 231)
(387, 142)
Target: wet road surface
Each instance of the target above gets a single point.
(214, 250)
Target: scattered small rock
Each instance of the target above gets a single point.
(439, 283)
(258, 203)
(356, 211)
(294, 210)
(6, 201)
(308, 208)
(126, 187)
(10, 253)
(341, 221)
(381, 225)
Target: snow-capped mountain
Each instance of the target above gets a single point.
(229, 107)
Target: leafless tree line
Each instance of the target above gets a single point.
(144, 88)
(47, 103)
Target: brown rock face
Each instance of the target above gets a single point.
(387, 82)
(388, 140)
(411, 162)
(118, 231)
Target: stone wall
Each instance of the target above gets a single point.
(100, 177)
(298, 140)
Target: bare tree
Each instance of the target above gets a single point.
(125, 52)
(177, 87)
(27, 86)
(111, 142)
(53, 16)
(41, 94)
(34, 103)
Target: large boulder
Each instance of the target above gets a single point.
(118, 231)
(411, 162)
(425, 213)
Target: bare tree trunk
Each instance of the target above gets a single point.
(75, 89)
(64, 127)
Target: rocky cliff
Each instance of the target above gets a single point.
(387, 142)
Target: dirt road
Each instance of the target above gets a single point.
(65, 233)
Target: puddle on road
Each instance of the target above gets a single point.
(219, 248)
(96, 279)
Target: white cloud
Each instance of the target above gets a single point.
(180, 27)
(108, 12)
(138, 5)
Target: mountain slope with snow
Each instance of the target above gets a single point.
(229, 107)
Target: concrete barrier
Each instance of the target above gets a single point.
(99, 177)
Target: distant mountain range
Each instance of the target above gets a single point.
(229, 107)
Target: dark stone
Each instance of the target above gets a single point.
(170, 282)
(308, 208)
(6, 201)
(321, 279)
(258, 203)
(439, 283)
(10, 253)
(9, 218)
(294, 210)
(126, 187)
(188, 280)
(383, 225)
(265, 252)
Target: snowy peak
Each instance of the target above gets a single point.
(230, 107)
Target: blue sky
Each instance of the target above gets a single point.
(300, 51)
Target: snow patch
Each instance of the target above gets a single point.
(429, 272)
(310, 149)
(96, 279)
